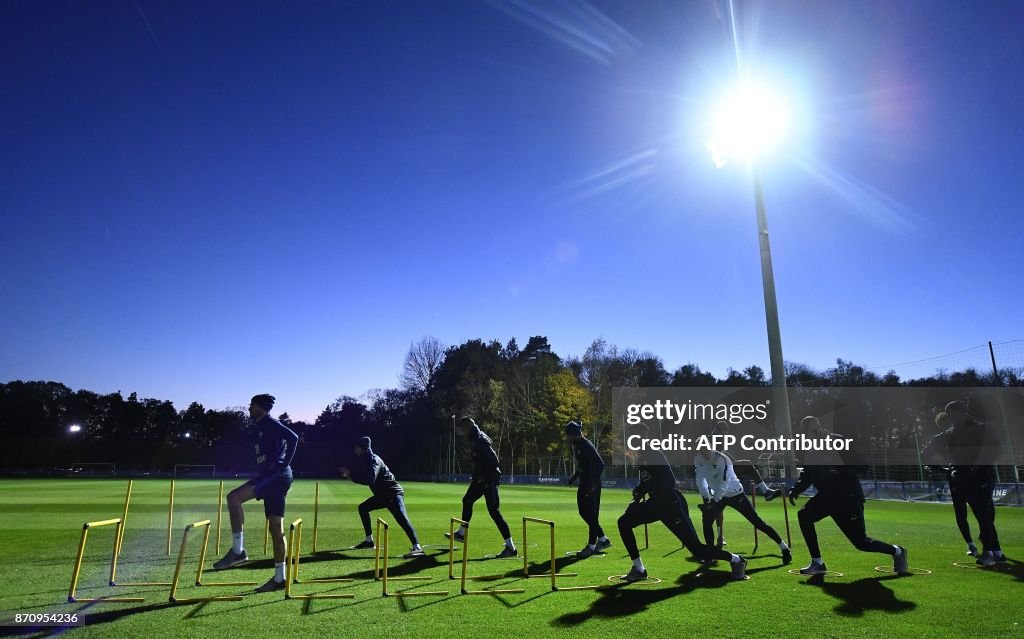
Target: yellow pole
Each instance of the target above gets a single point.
(384, 578)
(181, 560)
(376, 552)
(316, 514)
(220, 507)
(124, 518)
(78, 564)
(202, 554)
(526, 571)
(553, 569)
(170, 518)
(298, 548)
(288, 569)
(465, 559)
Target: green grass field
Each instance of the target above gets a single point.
(43, 522)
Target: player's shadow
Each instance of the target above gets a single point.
(621, 600)
(95, 616)
(858, 597)
(1012, 567)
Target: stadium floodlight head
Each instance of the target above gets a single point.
(74, 428)
(748, 122)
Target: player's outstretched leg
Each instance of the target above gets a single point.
(365, 508)
(637, 514)
(849, 517)
(813, 511)
(494, 510)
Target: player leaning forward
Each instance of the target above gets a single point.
(589, 467)
(840, 496)
(720, 487)
(370, 470)
(275, 447)
(484, 483)
(665, 504)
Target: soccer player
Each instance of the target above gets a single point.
(275, 447)
(589, 467)
(957, 489)
(746, 471)
(484, 483)
(972, 449)
(369, 469)
(839, 496)
(665, 504)
(719, 487)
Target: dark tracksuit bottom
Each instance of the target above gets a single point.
(978, 492)
(745, 508)
(958, 495)
(588, 502)
(395, 505)
(670, 510)
(848, 513)
(489, 491)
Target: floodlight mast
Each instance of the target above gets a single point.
(750, 122)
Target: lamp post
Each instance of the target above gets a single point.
(749, 122)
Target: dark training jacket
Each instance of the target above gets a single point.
(589, 464)
(486, 467)
(971, 450)
(275, 447)
(370, 470)
(656, 476)
(838, 480)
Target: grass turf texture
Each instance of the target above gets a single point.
(43, 521)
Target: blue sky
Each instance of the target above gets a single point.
(203, 201)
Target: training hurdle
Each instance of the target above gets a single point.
(384, 572)
(377, 553)
(76, 573)
(553, 573)
(172, 597)
(465, 561)
(292, 568)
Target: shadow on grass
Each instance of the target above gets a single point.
(860, 596)
(620, 600)
(94, 615)
(1012, 567)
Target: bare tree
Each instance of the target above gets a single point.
(421, 363)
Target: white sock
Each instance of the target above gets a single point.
(462, 530)
(279, 572)
(417, 547)
(763, 487)
(735, 559)
(603, 538)
(816, 560)
(509, 544)
(997, 553)
(236, 545)
(783, 546)
(638, 564)
(369, 539)
(898, 551)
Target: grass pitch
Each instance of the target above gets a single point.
(43, 522)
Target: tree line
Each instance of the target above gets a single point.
(521, 396)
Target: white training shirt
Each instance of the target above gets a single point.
(716, 478)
